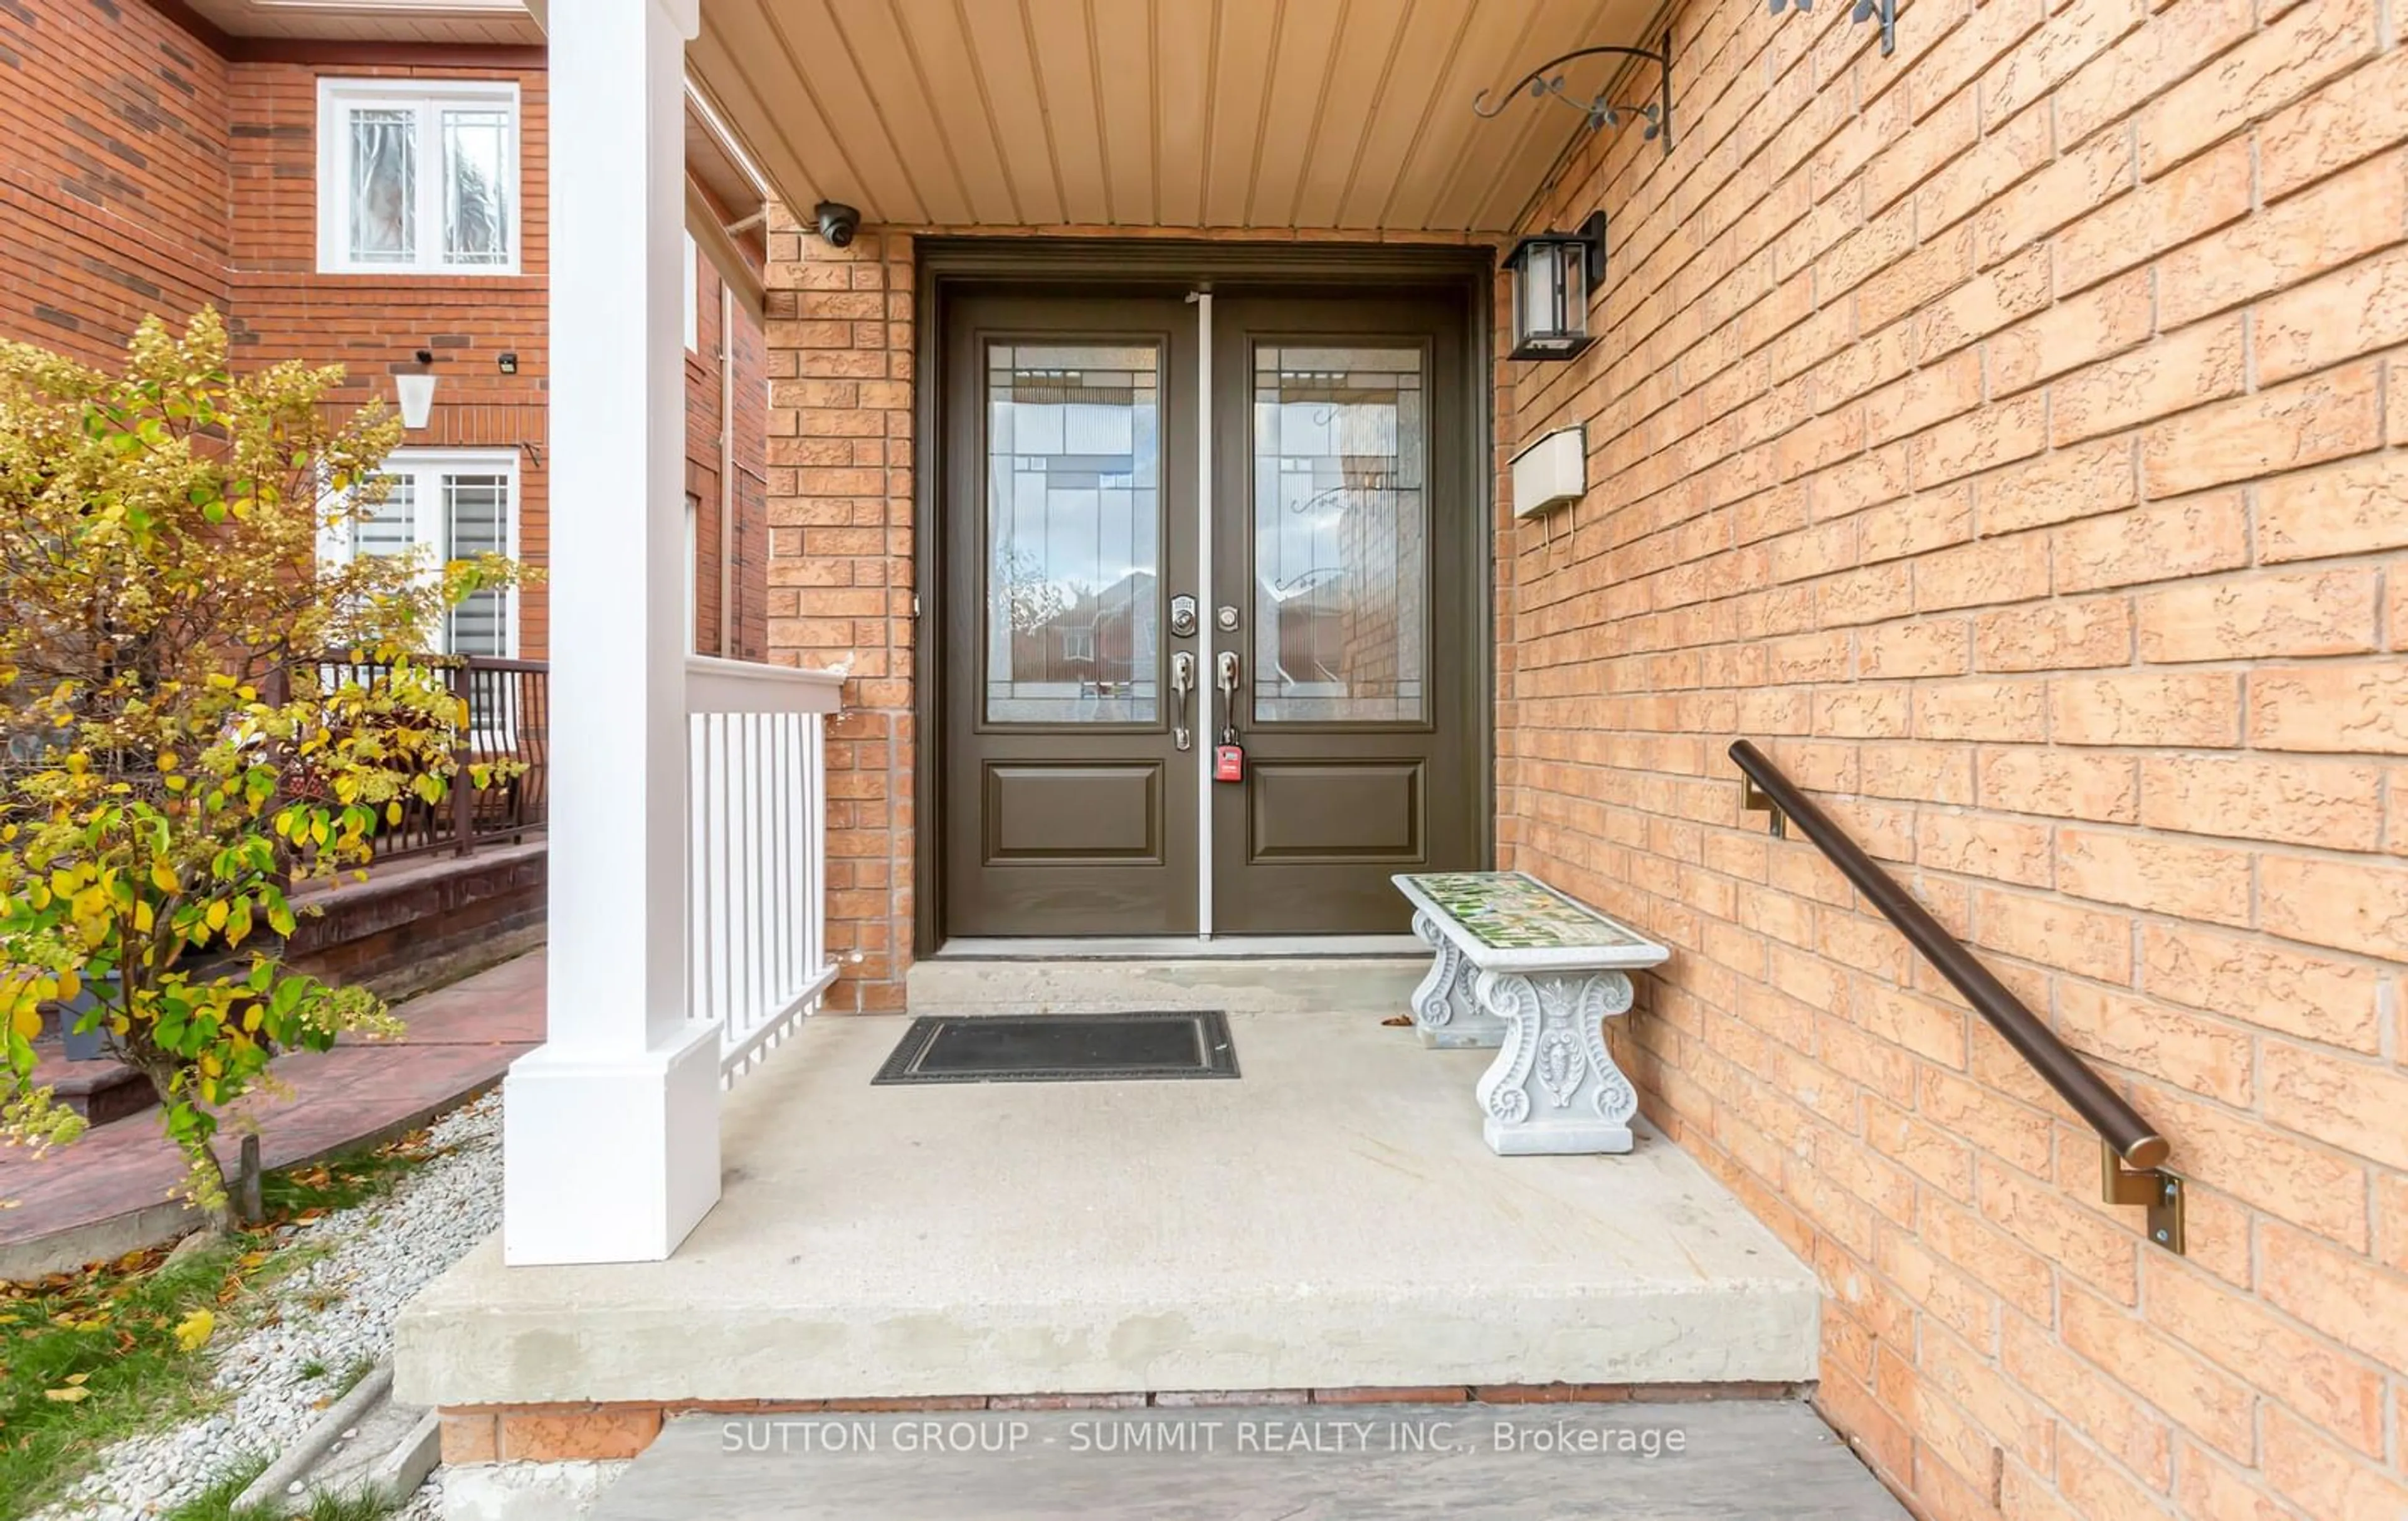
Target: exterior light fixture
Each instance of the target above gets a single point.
(417, 391)
(1655, 115)
(508, 362)
(1864, 11)
(1552, 276)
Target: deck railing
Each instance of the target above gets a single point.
(756, 899)
(509, 719)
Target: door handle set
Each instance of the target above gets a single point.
(1182, 682)
(1225, 676)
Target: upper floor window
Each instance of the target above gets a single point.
(417, 176)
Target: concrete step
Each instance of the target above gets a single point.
(1251, 985)
(368, 1446)
(101, 1090)
(1331, 1219)
(1634, 1462)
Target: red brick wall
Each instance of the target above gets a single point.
(113, 181)
(744, 541)
(144, 173)
(372, 325)
(2008, 434)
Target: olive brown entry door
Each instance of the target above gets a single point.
(1211, 625)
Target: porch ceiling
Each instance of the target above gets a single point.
(1321, 114)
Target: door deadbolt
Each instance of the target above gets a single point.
(1226, 617)
(1182, 617)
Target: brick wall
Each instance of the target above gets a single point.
(280, 308)
(839, 573)
(113, 184)
(2008, 434)
(147, 174)
(743, 541)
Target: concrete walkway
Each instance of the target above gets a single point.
(107, 1193)
(1744, 1461)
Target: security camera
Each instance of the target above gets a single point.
(838, 223)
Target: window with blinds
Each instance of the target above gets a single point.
(445, 507)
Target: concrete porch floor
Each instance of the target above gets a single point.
(1331, 1220)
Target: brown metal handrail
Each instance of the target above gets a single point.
(509, 719)
(2118, 1124)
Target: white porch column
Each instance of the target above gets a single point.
(610, 1130)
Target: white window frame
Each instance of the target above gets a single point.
(427, 467)
(693, 296)
(339, 98)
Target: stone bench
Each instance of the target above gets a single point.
(1523, 968)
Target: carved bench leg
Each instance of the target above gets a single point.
(1446, 1013)
(1553, 1089)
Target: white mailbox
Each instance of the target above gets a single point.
(1550, 472)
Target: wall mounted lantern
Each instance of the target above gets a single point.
(1552, 276)
(417, 391)
(1656, 114)
(1864, 11)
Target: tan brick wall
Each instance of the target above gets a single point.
(840, 574)
(2007, 435)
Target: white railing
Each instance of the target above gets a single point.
(757, 871)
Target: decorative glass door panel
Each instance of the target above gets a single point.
(1341, 533)
(1343, 529)
(1069, 806)
(1074, 533)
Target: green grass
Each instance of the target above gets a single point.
(90, 1358)
(216, 1503)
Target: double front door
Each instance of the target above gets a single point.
(1212, 628)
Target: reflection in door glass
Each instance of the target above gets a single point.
(1341, 529)
(1074, 491)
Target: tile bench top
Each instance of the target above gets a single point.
(1509, 920)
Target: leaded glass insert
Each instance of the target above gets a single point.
(476, 187)
(1074, 533)
(1341, 533)
(384, 186)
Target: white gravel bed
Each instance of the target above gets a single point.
(383, 1253)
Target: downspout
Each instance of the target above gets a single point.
(726, 470)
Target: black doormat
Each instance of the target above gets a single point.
(1063, 1048)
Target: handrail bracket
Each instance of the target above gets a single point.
(1757, 800)
(2154, 1189)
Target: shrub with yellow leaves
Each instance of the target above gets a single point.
(176, 757)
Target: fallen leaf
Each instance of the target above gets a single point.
(68, 1396)
(194, 1329)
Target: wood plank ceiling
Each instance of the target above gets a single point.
(1269, 114)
